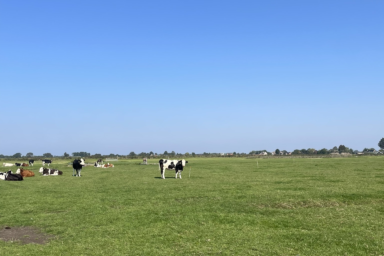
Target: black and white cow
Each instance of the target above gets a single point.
(99, 161)
(176, 165)
(77, 166)
(31, 162)
(50, 172)
(10, 176)
(18, 164)
(46, 162)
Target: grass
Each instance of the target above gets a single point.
(232, 206)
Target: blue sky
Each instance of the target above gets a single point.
(190, 76)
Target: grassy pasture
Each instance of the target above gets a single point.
(235, 206)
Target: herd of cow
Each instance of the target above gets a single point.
(30, 163)
(20, 174)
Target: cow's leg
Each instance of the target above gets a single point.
(176, 175)
(74, 172)
(80, 173)
(163, 173)
(180, 174)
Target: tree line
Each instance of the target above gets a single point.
(310, 151)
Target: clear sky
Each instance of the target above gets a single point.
(190, 76)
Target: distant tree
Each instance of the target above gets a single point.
(47, 155)
(132, 154)
(17, 155)
(304, 151)
(172, 153)
(296, 152)
(311, 151)
(66, 154)
(277, 151)
(186, 154)
(97, 155)
(342, 148)
(81, 154)
(381, 143)
(29, 154)
(322, 151)
(165, 153)
(151, 153)
(193, 154)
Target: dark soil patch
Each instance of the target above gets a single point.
(24, 235)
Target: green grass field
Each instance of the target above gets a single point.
(236, 206)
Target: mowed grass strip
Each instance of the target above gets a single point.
(227, 206)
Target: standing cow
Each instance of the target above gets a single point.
(46, 161)
(176, 165)
(77, 166)
(31, 162)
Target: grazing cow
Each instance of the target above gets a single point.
(18, 164)
(50, 172)
(31, 162)
(77, 166)
(25, 173)
(7, 165)
(145, 160)
(48, 162)
(12, 176)
(24, 164)
(176, 165)
(108, 165)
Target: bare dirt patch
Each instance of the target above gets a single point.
(24, 235)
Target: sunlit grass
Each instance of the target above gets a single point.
(227, 206)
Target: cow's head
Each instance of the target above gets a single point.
(183, 162)
(82, 162)
(18, 171)
(41, 170)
